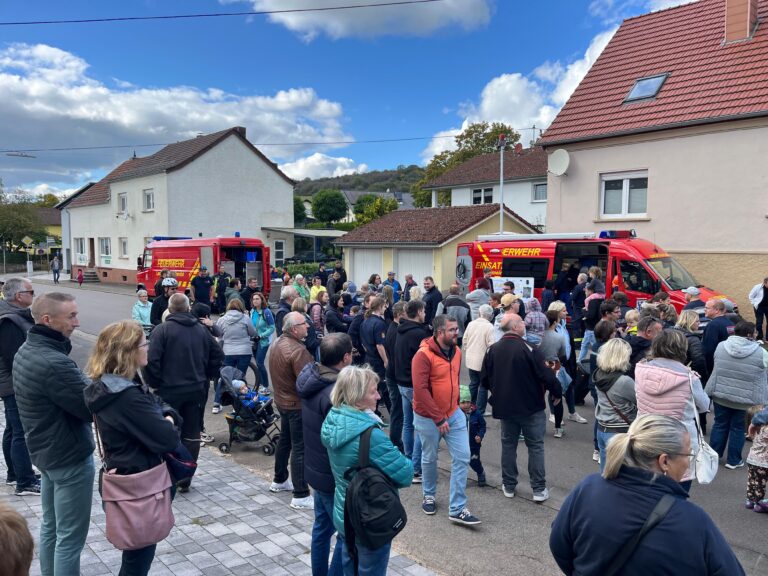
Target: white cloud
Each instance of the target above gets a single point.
(49, 101)
(611, 12)
(407, 20)
(442, 141)
(654, 5)
(574, 73)
(320, 166)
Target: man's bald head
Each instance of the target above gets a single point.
(511, 323)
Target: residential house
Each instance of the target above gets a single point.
(422, 241)
(212, 185)
(404, 200)
(66, 236)
(477, 181)
(668, 134)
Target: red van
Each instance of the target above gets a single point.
(637, 267)
(240, 257)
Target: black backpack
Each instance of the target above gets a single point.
(373, 514)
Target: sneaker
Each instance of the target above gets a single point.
(216, 409)
(428, 506)
(31, 490)
(596, 455)
(735, 466)
(416, 478)
(263, 391)
(205, 437)
(465, 518)
(749, 505)
(286, 486)
(761, 507)
(508, 493)
(552, 418)
(182, 488)
(542, 496)
(10, 481)
(559, 432)
(481, 483)
(576, 417)
(306, 503)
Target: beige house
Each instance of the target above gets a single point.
(668, 134)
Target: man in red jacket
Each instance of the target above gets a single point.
(435, 374)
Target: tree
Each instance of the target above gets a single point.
(329, 206)
(363, 202)
(299, 212)
(19, 219)
(377, 209)
(47, 200)
(478, 138)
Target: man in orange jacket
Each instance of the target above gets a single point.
(436, 414)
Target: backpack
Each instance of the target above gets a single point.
(373, 514)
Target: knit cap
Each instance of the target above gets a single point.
(464, 394)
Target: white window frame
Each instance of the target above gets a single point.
(484, 198)
(81, 255)
(148, 200)
(533, 192)
(105, 242)
(626, 177)
(122, 247)
(279, 248)
(122, 202)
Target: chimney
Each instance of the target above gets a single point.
(740, 19)
(240, 130)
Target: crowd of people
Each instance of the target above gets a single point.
(339, 360)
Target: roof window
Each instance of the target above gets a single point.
(646, 88)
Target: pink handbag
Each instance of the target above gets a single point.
(137, 506)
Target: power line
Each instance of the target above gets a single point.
(215, 14)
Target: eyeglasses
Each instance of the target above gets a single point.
(32, 292)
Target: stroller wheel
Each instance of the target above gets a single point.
(224, 448)
(274, 440)
(268, 449)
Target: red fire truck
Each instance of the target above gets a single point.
(240, 257)
(632, 265)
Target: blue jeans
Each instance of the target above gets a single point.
(239, 361)
(602, 444)
(728, 428)
(261, 356)
(457, 440)
(411, 441)
(137, 562)
(478, 393)
(66, 502)
(322, 531)
(370, 562)
(586, 344)
(20, 467)
(533, 428)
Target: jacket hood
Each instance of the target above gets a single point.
(9, 308)
(313, 378)
(183, 318)
(344, 425)
(532, 305)
(604, 380)
(406, 326)
(431, 344)
(105, 390)
(233, 317)
(740, 347)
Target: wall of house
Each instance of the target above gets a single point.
(518, 196)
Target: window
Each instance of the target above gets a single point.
(148, 200)
(536, 268)
(675, 276)
(80, 255)
(122, 202)
(636, 278)
(624, 195)
(540, 192)
(122, 244)
(646, 88)
(105, 246)
(482, 196)
(279, 252)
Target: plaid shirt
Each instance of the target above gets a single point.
(536, 322)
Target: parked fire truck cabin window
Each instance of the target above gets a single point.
(674, 275)
(624, 195)
(536, 268)
(636, 278)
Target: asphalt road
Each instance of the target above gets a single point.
(513, 538)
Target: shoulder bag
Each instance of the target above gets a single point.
(137, 506)
(707, 460)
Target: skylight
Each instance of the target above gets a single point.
(646, 88)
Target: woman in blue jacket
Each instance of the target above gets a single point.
(354, 400)
(264, 322)
(603, 514)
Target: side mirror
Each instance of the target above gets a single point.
(140, 262)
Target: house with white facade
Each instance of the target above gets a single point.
(477, 181)
(212, 185)
(404, 200)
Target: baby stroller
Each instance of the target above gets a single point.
(252, 417)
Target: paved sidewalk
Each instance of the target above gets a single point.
(229, 523)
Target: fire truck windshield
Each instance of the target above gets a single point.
(674, 275)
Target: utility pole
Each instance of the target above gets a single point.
(502, 145)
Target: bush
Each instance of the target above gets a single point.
(306, 270)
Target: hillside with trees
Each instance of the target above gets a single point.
(375, 181)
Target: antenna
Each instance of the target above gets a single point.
(558, 162)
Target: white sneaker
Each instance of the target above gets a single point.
(216, 409)
(552, 418)
(559, 432)
(542, 496)
(205, 437)
(286, 486)
(508, 493)
(576, 417)
(306, 503)
(596, 455)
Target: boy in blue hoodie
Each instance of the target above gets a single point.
(476, 426)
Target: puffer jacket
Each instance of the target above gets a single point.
(15, 322)
(237, 331)
(141, 311)
(620, 388)
(49, 392)
(435, 381)
(477, 298)
(341, 436)
(663, 386)
(739, 379)
(477, 339)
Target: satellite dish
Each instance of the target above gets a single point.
(558, 162)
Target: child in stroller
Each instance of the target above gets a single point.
(252, 417)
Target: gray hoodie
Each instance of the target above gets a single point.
(238, 331)
(739, 378)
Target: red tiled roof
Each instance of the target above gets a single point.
(432, 226)
(529, 163)
(99, 192)
(708, 79)
(48, 216)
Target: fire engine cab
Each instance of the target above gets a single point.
(637, 267)
(240, 257)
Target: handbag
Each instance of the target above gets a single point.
(181, 465)
(707, 460)
(137, 506)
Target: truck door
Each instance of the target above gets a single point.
(636, 282)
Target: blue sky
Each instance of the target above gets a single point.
(375, 73)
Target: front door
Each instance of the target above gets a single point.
(91, 252)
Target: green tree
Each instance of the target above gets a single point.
(47, 200)
(377, 209)
(478, 138)
(299, 212)
(19, 219)
(329, 206)
(363, 202)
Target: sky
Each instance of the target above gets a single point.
(313, 89)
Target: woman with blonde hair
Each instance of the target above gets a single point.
(135, 427)
(596, 530)
(416, 293)
(354, 398)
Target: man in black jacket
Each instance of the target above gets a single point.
(395, 399)
(719, 328)
(15, 322)
(160, 303)
(247, 293)
(49, 393)
(183, 356)
(517, 377)
(287, 295)
(314, 386)
(410, 333)
(647, 329)
(432, 297)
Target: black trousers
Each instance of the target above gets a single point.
(190, 408)
(291, 446)
(761, 315)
